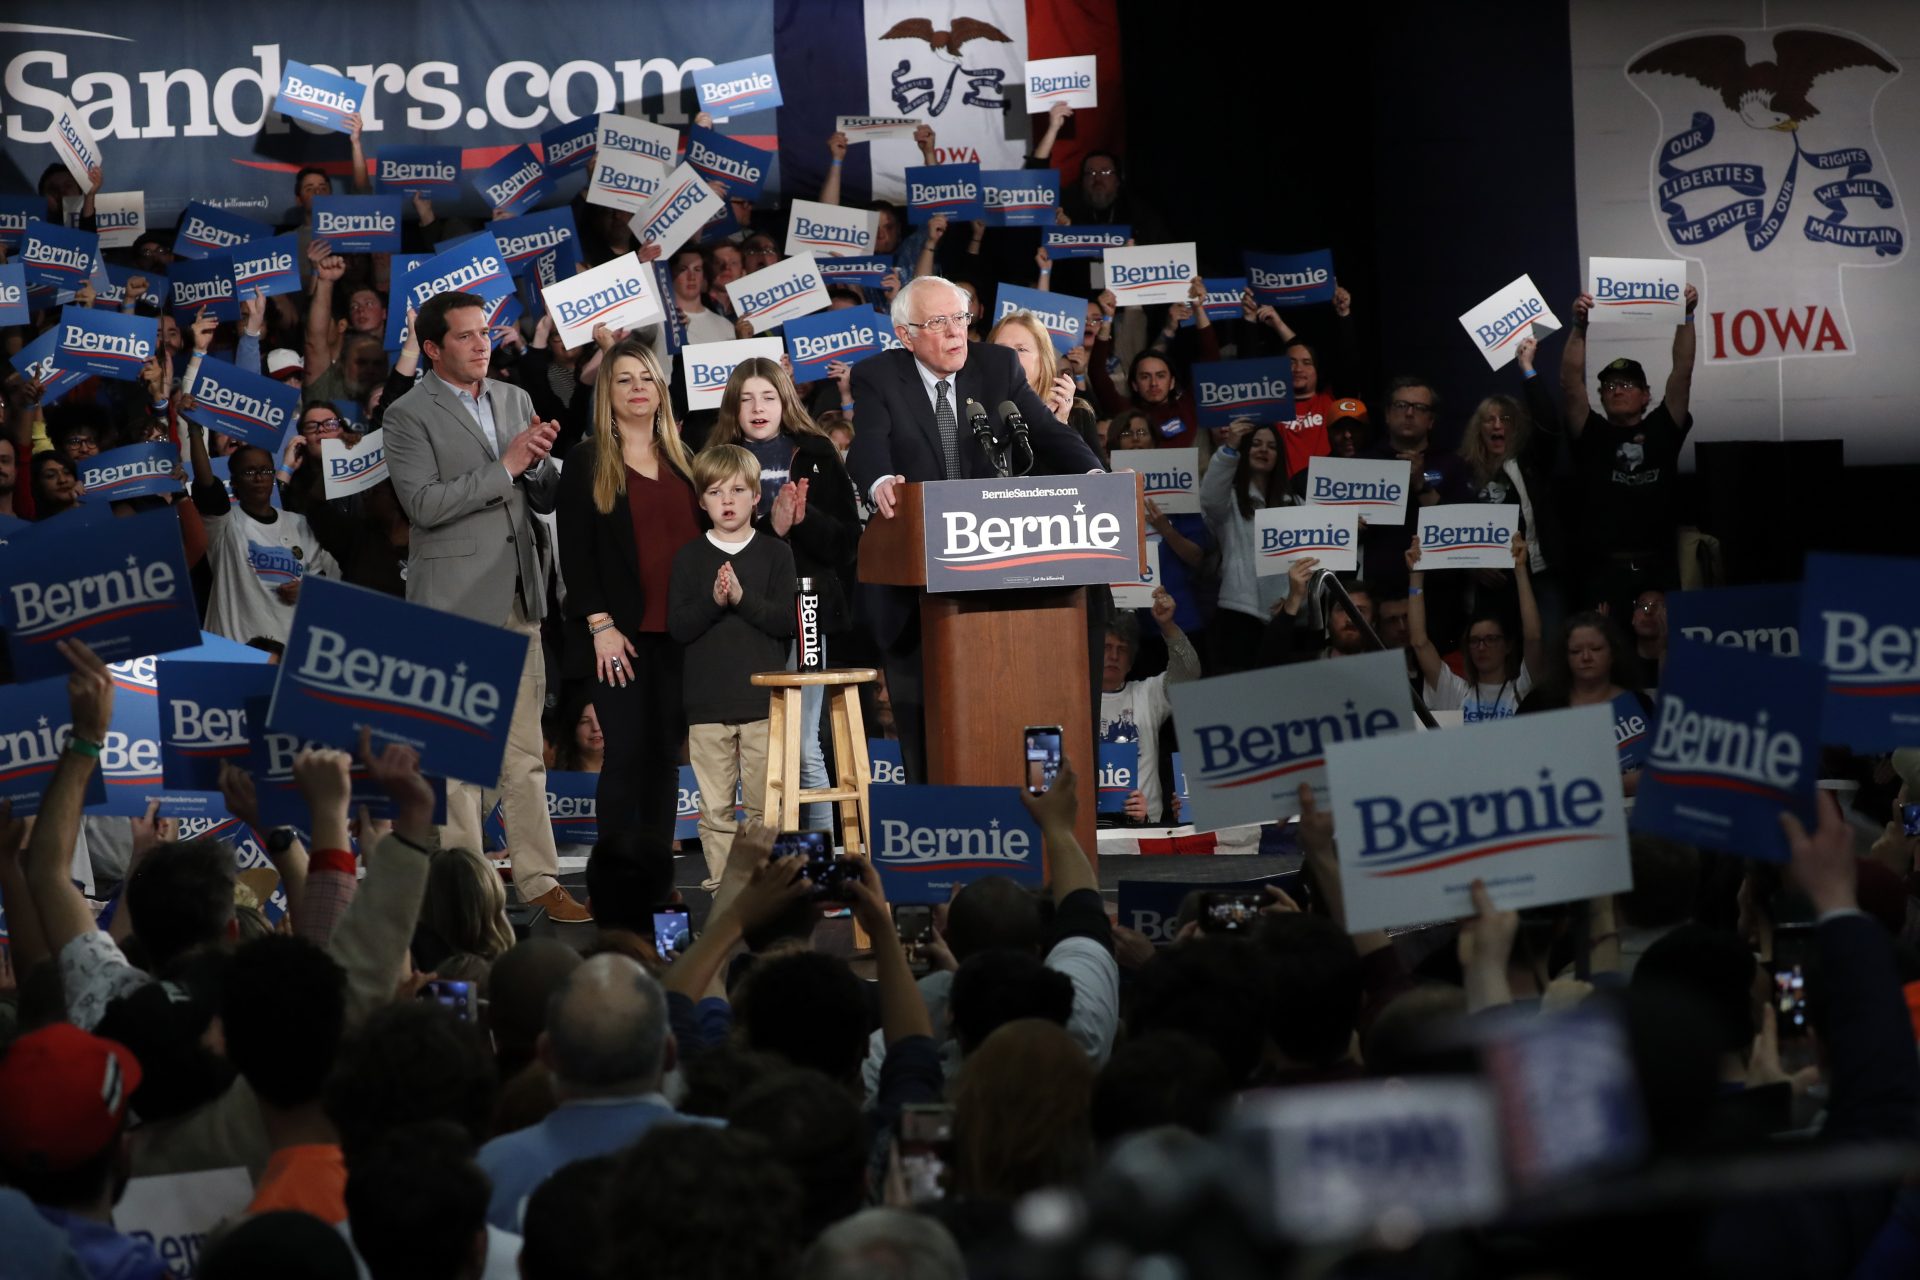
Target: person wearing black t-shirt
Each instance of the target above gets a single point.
(1628, 463)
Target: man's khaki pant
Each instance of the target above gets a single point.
(522, 790)
(724, 755)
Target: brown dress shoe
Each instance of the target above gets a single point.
(561, 907)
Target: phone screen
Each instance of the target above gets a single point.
(457, 996)
(915, 926)
(1910, 819)
(1230, 912)
(672, 931)
(1043, 757)
(1790, 1000)
(926, 1145)
(827, 872)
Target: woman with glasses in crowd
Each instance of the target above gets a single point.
(625, 507)
(1497, 678)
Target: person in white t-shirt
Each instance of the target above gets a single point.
(258, 553)
(1133, 710)
(1497, 677)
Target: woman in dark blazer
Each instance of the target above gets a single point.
(806, 500)
(626, 505)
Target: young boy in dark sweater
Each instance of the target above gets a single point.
(731, 608)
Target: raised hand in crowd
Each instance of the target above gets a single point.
(1299, 582)
(1523, 353)
(841, 374)
(923, 137)
(253, 313)
(1485, 945)
(423, 208)
(136, 289)
(395, 770)
(202, 330)
(837, 146)
(325, 779)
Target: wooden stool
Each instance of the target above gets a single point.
(853, 773)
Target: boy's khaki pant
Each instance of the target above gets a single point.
(724, 755)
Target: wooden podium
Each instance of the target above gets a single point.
(997, 660)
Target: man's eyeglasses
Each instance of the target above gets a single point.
(958, 320)
(1484, 642)
(1618, 384)
(1103, 173)
(325, 424)
(1409, 406)
(252, 473)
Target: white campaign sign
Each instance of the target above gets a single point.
(619, 294)
(1282, 535)
(1150, 273)
(1498, 324)
(348, 469)
(684, 205)
(1139, 595)
(868, 128)
(830, 231)
(1630, 290)
(1533, 810)
(622, 180)
(628, 135)
(961, 92)
(176, 1212)
(1788, 199)
(1372, 489)
(73, 141)
(784, 291)
(120, 217)
(708, 365)
(1068, 80)
(1249, 740)
(1171, 477)
(1468, 535)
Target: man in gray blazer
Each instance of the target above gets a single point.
(469, 464)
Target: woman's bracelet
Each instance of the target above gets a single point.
(598, 628)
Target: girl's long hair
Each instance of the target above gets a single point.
(794, 418)
(609, 464)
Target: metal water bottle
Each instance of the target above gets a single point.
(813, 649)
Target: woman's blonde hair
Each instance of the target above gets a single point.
(466, 905)
(609, 464)
(794, 418)
(1473, 447)
(1047, 365)
(719, 462)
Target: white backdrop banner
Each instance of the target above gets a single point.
(1766, 143)
(959, 86)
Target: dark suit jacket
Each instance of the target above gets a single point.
(894, 436)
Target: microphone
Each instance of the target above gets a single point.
(983, 432)
(1022, 443)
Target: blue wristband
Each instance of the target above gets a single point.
(1529, 373)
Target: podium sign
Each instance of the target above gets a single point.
(1031, 531)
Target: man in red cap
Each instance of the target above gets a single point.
(63, 1141)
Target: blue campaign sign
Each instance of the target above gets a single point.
(1860, 619)
(861, 273)
(203, 715)
(1152, 907)
(13, 293)
(883, 761)
(34, 728)
(132, 756)
(516, 182)
(121, 586)
(1632, 730)
(738, 88)
(159, 288)
(1290, 279)
(952, 189)
(358, 224)
(250, 407)
(1223, 299)
(1723, 766)
(39, 360)
(1757, 619)
(270, 757)
(135, 471)
(928, 841)
(442, 684)
(1020, 197)
(1065, 317)
(57, 257)
(206, 231)
(318, 97)
(427, 171)
(474, 265)
(402, 267)
(1119, 775)
(571, 807)
(206, 283)
(106, 342)
(738, 166)
(1067, 243)
(816, 341)
(566, 148)
(1180, 784)
(1258, 389)
(248, 853)
(15, 213)
(522, 241)
(270, 266)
